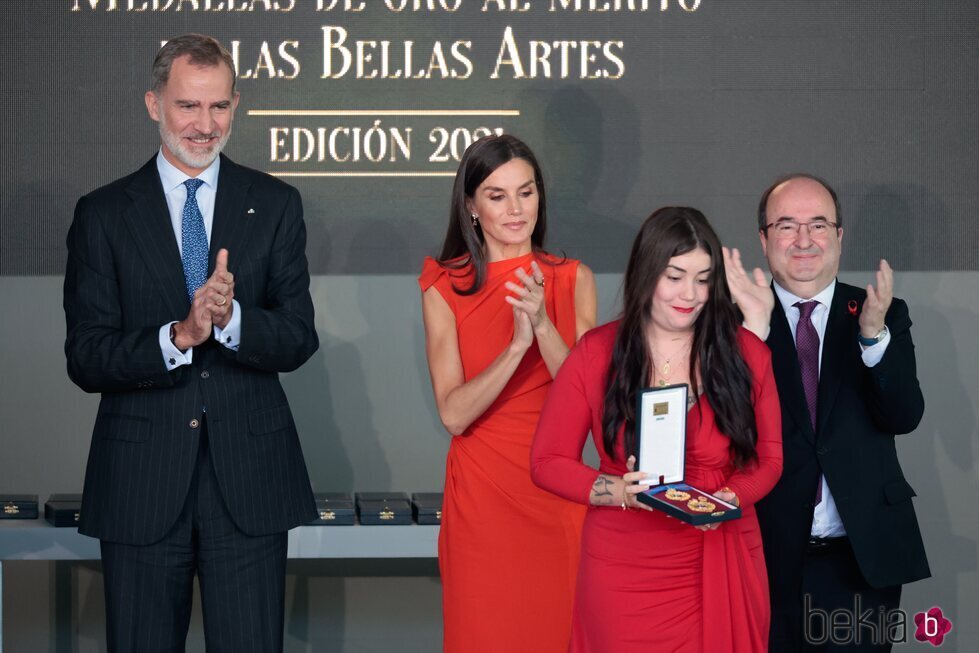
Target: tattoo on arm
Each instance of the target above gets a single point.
(601, 491)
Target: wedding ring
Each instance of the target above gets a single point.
(539, 283)
(224, 300)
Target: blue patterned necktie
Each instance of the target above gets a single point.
(193, 241)
(807, 349)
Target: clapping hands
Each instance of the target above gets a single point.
(212, 306)
(877, 302)
(751, 293)
(527, 300)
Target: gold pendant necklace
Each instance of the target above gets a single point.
(665, 370)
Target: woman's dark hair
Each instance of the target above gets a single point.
(673, 231)
(463, 244)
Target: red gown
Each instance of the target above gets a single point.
(648, 582)
(508, 551)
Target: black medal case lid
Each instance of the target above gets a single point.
(18, 506)
(427, 507)
(334, 509)
(63, 509)
(383, 508)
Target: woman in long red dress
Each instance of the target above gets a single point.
(648, 582)
(500, 316)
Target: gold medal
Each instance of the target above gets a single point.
(676, 495)
(701, 504)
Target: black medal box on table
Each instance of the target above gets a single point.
(18, 506)
(334, 508)
(661, 434)
(63, 509)
(427, 507)
(383, 508)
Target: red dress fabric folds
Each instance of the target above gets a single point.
(508, 550)
(648, 582)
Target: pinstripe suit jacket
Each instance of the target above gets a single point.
(124, 280)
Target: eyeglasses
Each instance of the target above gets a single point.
(785, 229)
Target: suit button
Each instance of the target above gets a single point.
(194, 423)
(205, 374)
(821, 451)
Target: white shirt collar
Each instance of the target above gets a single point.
(788, 300)
(171, 176)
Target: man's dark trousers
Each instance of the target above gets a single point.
(149, 589)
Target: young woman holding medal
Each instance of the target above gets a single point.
(647, 581)
(500, 316)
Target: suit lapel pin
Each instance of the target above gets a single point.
(851, 306)
(250, 211)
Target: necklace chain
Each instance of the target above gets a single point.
(665, 370)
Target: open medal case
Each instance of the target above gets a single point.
(661, 434)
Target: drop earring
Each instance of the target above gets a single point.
(475, 220)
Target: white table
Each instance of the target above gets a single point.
(35, 539)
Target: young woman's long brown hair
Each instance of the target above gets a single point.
(672, 231)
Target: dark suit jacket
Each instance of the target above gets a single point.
(124, 280)
(860, 409)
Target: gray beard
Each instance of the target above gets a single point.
(190, 159)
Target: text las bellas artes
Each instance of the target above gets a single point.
(382, 59)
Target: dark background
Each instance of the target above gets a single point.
(879, 97)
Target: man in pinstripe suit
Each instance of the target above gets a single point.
(186, 294)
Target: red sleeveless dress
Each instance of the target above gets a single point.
(508, 551)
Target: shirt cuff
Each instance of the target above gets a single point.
(871, 355)
(230, 335)
(172, 356)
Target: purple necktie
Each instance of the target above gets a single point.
(807, 349)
